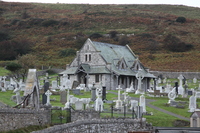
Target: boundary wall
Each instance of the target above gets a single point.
(101, 126)
(11, 119)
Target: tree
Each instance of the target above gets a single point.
(27, 61)
(181, 19)
(20, 67)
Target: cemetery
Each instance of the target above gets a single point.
(51, 100)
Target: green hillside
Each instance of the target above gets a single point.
(165, 37)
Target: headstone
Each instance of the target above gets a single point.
(180, 88)
(165, 80)
(172, 95)
(18, 97)
(63, 96)
(48, 94)
(143, 103)
(104, 93)
(79, 105)
(93, 93)
(73, 100)
(54, 85)
(76, 91)
(139, 112)
(44, 96)
(75, 84)
(118, 101)
(190, 92)
(139, 77)
(134, 104)
(192, 103)
(99, 101)
(197, 94)
(131, 89)
(194, 80)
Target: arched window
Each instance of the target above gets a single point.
(86, 57)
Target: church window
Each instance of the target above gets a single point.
(89, 57)
(86, 57)
(97, 78)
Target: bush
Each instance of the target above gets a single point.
(4, 36)
(95, 35)
(50, 22)
(174, 44)
(13, 67)
(67, 52)
(113, 34)
(181, 20)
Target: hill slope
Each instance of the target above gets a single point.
(53, 32)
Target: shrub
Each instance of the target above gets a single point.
(174, 44)
(13, 67)
(113, 34)
(181, 20)
(67, 52)
(4, 36)
(50, 22)
(95, 35)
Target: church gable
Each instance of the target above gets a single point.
(121, 65)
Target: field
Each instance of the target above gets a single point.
(54, 32)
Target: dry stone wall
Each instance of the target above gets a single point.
(11, 119)
(187, 75)
(100, 126)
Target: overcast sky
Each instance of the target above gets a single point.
(195, 3)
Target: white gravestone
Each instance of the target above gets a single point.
(118, 101)
(134, 104)
(99, 101)
(192, 103)
(131, 89)
(54, 85)
(194, 80)
(79, 105)
(139, 77)
(180, 88)
(172, 95)
(48, 94)
(18, 97)
(143, 103)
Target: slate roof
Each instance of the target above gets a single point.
(111, 54)
(111, 51)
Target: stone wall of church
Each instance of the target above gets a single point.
(100, 126)
(11, 119)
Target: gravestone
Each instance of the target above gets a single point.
(75, 84)
(48, 94)
(78, 105)
(172, 95)
(192, 103)
(197, 94)
(134, 104)
(143, 103)
(131, 89)
(139, 77)
(76, 91)
(93, 93)
(63, 96)
(180, 88)
(44, 96)
(194, 80)
(54, 85)
(104, 93)
(139, 112)
(190, 92)
(98, 102)
(18, 97)
(118, 101)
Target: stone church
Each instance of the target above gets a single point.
(108, 64)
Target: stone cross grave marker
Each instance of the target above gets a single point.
(139, 77)
(118, 101)
(48, 94)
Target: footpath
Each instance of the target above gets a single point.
(156, 108)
